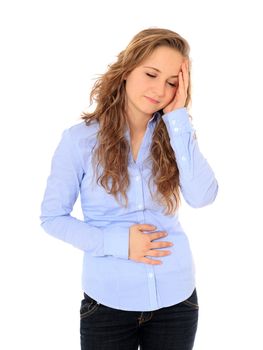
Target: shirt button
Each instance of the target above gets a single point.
(140, 206)
(151, 275)
(183, 158)
(176, 129)
(138, 178)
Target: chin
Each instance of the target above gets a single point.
(150, 111)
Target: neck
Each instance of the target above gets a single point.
(137, 126)
(137, 122)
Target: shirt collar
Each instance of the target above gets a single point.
(150, 123)
(155, 116)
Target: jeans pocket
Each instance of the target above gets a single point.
(192, 301)
(88, 306)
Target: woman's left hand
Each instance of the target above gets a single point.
(181, 93)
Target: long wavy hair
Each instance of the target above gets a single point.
(111, 155)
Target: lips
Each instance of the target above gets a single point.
(152, 100)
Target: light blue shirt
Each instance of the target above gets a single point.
(108, 275)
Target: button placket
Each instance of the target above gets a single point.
(139, 198)
(152, 286)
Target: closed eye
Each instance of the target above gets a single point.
(154, 76)
(151, 75)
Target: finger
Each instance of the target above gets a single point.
(157, 235)
(181, 87)
(186, 63)
(150, 261)
(146, 227)
(158, 245)
(185, 69)
(186, 78)
(154, 252)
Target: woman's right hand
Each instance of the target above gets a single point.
(140, 244)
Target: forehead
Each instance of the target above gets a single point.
(165, 59)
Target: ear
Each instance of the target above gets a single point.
(125, 76)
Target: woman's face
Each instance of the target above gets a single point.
(152, 85)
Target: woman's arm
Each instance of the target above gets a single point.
(61, 193)
(197, 180)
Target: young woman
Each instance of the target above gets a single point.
(130, 159)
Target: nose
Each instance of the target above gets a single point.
(159, 89)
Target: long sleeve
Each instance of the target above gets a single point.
(198, 184)
(103, 235)
(62, 190)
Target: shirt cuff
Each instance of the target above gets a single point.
(178, 121)
(116, 242)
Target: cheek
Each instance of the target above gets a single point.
(133, 85)
(129, 88)
(171, 94)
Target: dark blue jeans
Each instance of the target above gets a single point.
(169, 328)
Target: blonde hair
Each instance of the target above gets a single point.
(113, 148)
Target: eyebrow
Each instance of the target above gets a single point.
(157, 70)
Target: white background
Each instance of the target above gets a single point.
(51, 52)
